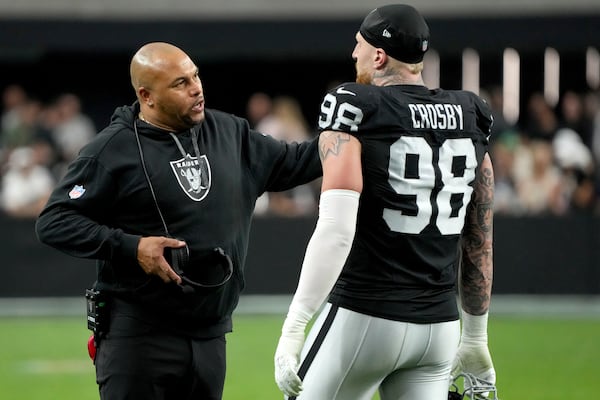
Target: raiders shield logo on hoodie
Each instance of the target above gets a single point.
(193, 175)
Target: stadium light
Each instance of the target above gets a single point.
(470, 70)
(551, 76)
(592, 68)
(511, 85)
(431, 72)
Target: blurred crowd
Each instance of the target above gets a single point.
(547, 164)
(37, 141)
(282, 118)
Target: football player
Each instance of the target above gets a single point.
(406, 203)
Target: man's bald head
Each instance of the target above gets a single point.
(150, 60)
(167, 86)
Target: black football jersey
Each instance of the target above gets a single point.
(421, 152)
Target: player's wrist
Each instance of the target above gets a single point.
(474, 328)
(296, 320)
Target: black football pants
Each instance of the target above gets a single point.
(160, 367)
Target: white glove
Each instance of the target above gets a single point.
(287, 355)
(473, 353)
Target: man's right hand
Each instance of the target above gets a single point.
(150, 256)
(474, 359)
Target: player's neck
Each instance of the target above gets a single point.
(396, 79)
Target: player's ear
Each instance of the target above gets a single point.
(380, 58)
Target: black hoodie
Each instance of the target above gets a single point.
(104, 205)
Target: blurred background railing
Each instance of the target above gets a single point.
(533, 255)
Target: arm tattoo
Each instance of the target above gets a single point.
(331, 142)
(475, 279)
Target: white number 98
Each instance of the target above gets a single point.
(346, 115)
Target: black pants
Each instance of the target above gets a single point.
(160, 367)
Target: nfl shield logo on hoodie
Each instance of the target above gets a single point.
(76, 192)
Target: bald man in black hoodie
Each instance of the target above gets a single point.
(163, 198)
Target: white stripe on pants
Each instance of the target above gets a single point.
(355, 354)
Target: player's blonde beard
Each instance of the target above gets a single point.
(364, 78)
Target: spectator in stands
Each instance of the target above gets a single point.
(26, 185)
(506, 199)
(13, 97)
(74, 129)
(583, 198)
(49, 119)
(576, 164)
(258, 107)
(572, 116)
(287, 123)
(592, 112)
(539, 187)
(541, 120)
(570, 152)
(23, 125)
(495, 99)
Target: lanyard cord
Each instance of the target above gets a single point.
(194, 142)
(139, 144)
(183, 153)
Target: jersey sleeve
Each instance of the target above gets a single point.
(347, 108)
(485, 120)
(276, 165)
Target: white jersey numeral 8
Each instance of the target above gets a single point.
(449, 220)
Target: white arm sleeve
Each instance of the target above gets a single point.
(327, 250)
(324, 259)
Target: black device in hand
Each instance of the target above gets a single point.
(210, 270)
